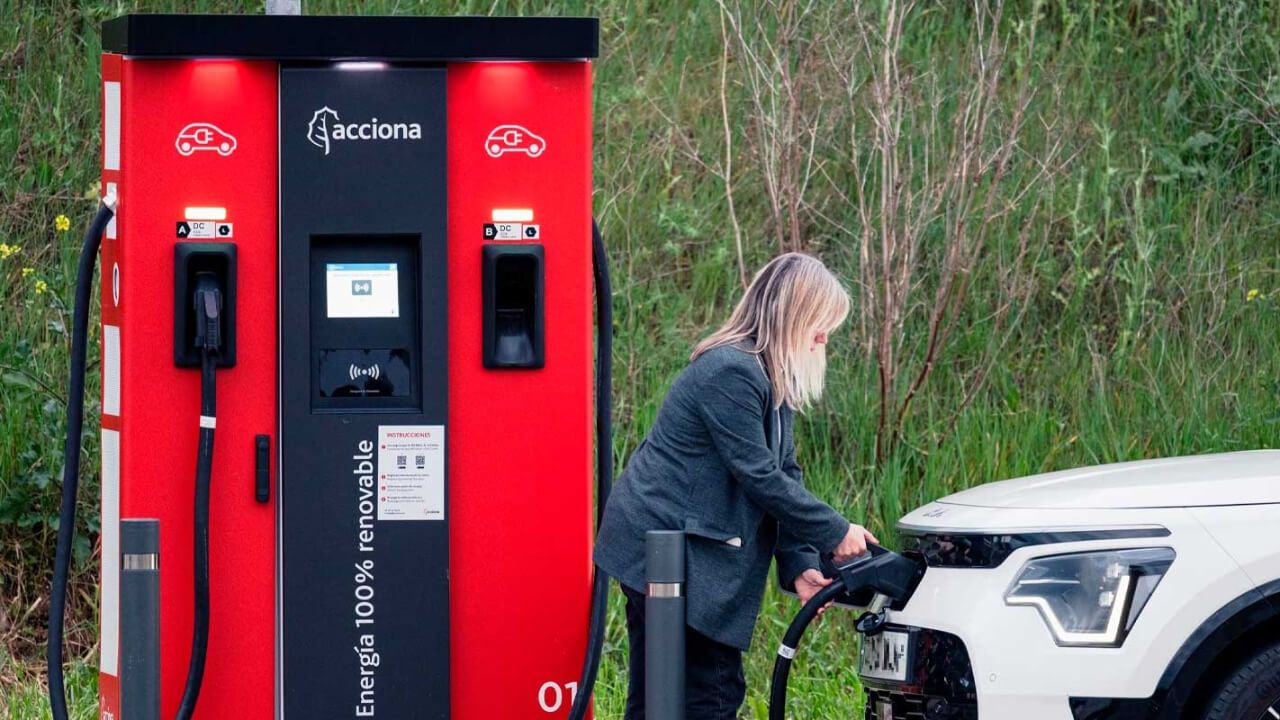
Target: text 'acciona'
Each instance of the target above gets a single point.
(326, 127)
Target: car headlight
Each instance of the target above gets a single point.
(1090, 599)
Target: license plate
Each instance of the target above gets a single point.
(885, 656)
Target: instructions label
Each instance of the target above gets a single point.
(410, 472)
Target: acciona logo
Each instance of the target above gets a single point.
(327, 128)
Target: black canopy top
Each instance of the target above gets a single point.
(338, 37)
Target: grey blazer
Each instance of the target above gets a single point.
(719, 463)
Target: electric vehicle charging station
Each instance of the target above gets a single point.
(370, 240)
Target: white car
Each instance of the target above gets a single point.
(1145, 589)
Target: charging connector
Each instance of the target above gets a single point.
(878, 578)
(207, 303)
(204, 303)
(208, 334)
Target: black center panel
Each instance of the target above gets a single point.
(363, 553)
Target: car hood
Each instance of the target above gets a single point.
(1240, 478)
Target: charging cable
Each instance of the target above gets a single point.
(208, 301)
(604, 467)
(889, 575)
(71, 455)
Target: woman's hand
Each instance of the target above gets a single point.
(854, 543)
(808, 583)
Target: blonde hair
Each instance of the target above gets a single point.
(793, 298)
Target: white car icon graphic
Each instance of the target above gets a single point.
(204, 136)
(511, 139)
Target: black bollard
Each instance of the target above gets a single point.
(664, 625)
(140, 619)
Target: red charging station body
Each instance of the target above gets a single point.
(409, 205)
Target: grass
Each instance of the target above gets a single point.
(24, 697)
(1152, 327)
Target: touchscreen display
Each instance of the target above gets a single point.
(362, 290)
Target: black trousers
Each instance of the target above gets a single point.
(714, 684)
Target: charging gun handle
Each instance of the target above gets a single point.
(830, 568)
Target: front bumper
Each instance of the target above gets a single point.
(1015, 669)
(939, 683)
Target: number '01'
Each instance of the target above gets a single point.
(551, 697)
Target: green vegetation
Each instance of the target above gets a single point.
(1125, 302)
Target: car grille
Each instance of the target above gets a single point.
(985, 551)
(940, 685)
(883, 705)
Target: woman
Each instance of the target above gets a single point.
(720, 465)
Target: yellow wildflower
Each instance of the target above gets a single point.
(1251, 295)
(7, 250)
(62, 223)
(41, 286)
(26, 272)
